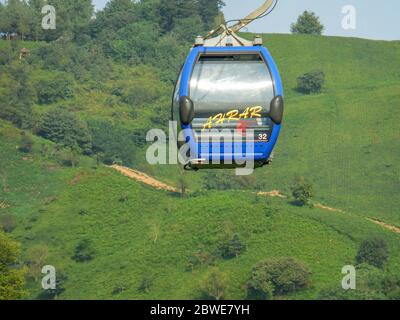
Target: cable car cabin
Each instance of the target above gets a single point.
(229, 103)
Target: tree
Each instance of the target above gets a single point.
(7, 223)
(307, 23)
(11, 278)
(146, 283)
(6, 53)
(113, 143)
(68, 157)
(61, 126)
(26, 143)
(2, 18)
(135, 43)
(209, 10)
(372, 284)
(373, 251)
(16, 16)
(61, 279)
(16, 103)
(172, 10)
(116, 15)
(302, 190)
(35, 258)
(84, 251)
(311, 82)
(232, 248)
(55, 88)
(35, 24)
(73, 18)
(214, 285)
(186, 29)
(277, 277)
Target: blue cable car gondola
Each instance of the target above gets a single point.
(229, 85)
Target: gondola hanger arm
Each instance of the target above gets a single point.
(226, 36)
(252, 16)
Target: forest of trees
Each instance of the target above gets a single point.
(79, 21)
(84, 49)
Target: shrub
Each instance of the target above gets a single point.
(16, 99)
(302, 190)
(54, 89)
(8, 223)
(61, 278)
(12, 279)
(124, 197)
(68, 158)
(63, 127)
(372, 284)
(307, 23)
(311, 82)
(146, 283)
(6, 54)
(277, 277)
(83, 212)
(201, 258)
(36, 257)
(214, 285)
(113, 143)
(120, 288)
(232, 248)
(138, 94)
(84, 251)
(373, 251)
(26, 143)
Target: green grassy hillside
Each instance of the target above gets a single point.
(345, 140)
(139, 232)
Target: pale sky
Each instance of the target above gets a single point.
(375, 19)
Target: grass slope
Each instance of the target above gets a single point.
(140, 233)
(346, 139)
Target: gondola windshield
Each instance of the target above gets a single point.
(231, 92)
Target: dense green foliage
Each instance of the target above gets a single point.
(7, 223)
(114, 144)
(11, 278)
(277, 277)
(26, 143)
(54, 89)
(372, 284)
(84, 251)
(373, 251)
(214, 285)
(66, 129)
(231, 248)
(302, 190)
(23, 19)
(311, 82)
(16, 96)
(307, 23)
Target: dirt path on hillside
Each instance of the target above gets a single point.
(385, 225)
(144, 178)
(321, 206)
(273, 193)
(156, 184)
